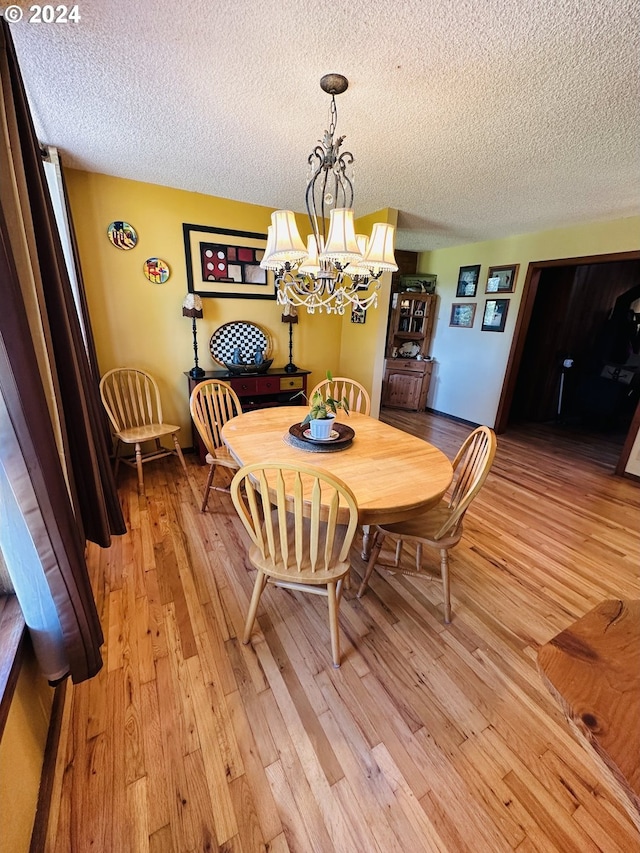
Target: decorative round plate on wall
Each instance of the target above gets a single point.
(122, 235)
(156, 270)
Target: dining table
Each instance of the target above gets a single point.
(392, 474)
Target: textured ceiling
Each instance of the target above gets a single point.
(476, 119)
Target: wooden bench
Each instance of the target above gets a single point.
(593, 670)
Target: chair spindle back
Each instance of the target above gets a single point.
(212, 404)
(471, 467)
(131, 398)
(294, 516)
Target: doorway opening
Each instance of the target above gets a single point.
(575, 357)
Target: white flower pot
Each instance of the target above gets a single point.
(321, 427)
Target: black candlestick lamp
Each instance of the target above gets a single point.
(192, 307)
(290, 316)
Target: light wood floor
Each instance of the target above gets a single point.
(429, 738)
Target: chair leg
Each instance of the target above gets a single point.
(258, 587)
(333, 624)
(418, 556)
(378, 539)
(139, 467)
(179, 452)
(444, 571)
(399, 545)
(366, 542)
(207, 488)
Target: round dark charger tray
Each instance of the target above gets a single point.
(345, 437)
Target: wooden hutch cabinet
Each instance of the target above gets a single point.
(407, 365)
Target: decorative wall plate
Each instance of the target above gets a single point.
(409, 349)
(122, 235)
(242, 336)
(156, 270)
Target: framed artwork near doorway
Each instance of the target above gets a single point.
(502, 279)
(495, 315)
(463, 314)
(468, 281)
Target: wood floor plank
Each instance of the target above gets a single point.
(202, 816)
(430, 737)
(138, 813)
(588, 810)
(154, 759)
(188, 736)
(160, 841)
(222, 760)
(261, 794)
(362, 784)
(174, 752)
(295, 828)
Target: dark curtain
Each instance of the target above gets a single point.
(89, 508)
(101, 474)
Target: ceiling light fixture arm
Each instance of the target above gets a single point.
(328, 184)
(305, 291)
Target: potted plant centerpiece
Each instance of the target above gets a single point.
(322, 413)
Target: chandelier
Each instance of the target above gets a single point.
(337, 268)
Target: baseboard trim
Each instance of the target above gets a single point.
(452, 417)
(47, 778)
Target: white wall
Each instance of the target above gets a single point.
(633, 462)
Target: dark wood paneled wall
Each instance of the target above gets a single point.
(569, 320)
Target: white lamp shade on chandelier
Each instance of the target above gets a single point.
(337, 268)
(311, 265)
(379, 256)
(287, 244)
(342, 246)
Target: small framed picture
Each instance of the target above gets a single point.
(463, 314)
(468, 281)
(495, 315)
(502, 279)
(358, 315)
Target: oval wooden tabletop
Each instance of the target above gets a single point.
(391, 473)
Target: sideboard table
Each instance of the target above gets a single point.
(276, 387)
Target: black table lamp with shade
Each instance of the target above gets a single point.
(192, 307)
(290, 316)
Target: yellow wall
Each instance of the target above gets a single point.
(137, 323)
(140, 324)
(470, 364)
(362, 346)
(21, 755)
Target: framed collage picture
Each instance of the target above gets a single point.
(226, 263)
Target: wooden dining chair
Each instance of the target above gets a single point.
(340, 387)
(132, 400)
(212, 404)
(301, 522)
(441, 526)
